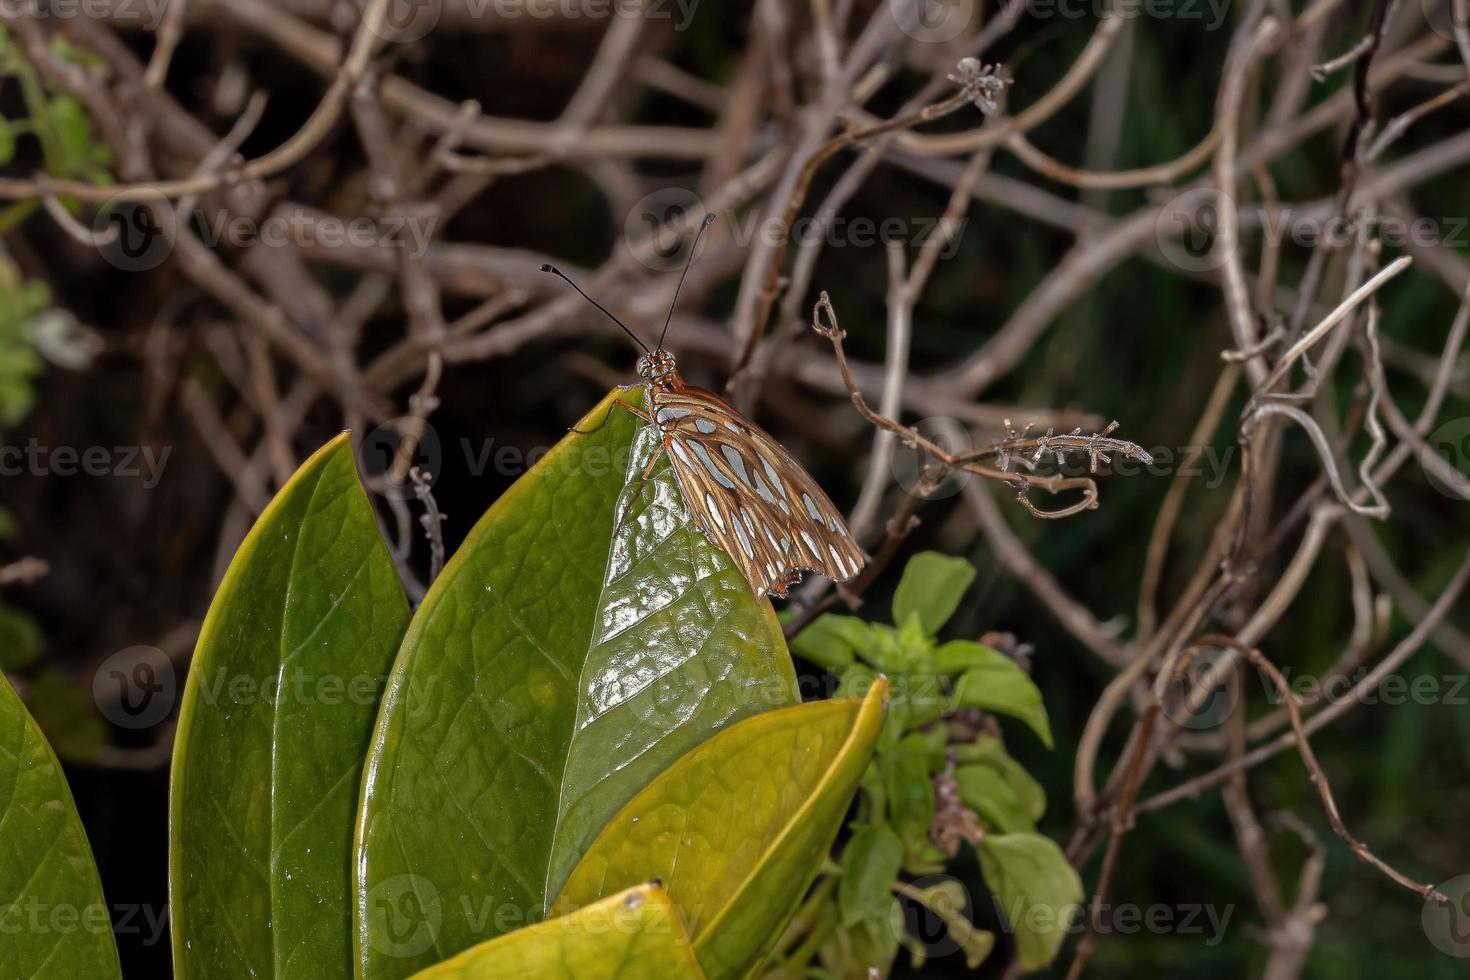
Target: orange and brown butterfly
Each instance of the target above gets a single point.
(742, 489)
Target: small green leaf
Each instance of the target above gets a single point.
(870, 865)
(987, 750)
(833, 641)
(53, 918)
(986, 791)
(20, 639)
(997, 683)
(1038, 892)
(736, 829)
(633, 935)
(276, 717)
(68, 716)
(931, 588)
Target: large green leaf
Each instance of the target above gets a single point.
(1037, 891)
(53, 920)
(737, 829)
(633, 935)
(564, 659)
(276, 719)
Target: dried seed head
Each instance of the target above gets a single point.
(982, 83)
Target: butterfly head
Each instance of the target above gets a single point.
(657, 367)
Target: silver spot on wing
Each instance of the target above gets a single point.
(811, 508)
(709, 464)
(744, 540)
(737, 463)
(714, 511)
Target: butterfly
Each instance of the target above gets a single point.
(742, 489)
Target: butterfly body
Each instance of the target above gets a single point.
(742, 489)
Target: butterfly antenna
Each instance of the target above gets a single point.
(709, 219)
(557, 272)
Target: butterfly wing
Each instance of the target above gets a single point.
(749, 496)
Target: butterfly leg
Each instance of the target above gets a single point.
(617, 403)
(643, 481)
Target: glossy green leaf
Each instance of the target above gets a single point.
(553, 669)
(994, 682)
(870, 864)
(633, 935)
(277, 713)
(736, 829)
(931, 589)
(1038, 892)
(54, 923)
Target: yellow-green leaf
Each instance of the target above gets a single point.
(54, 923)
(736, 829)
(633, 935)
(562, 659)
(277, 714)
